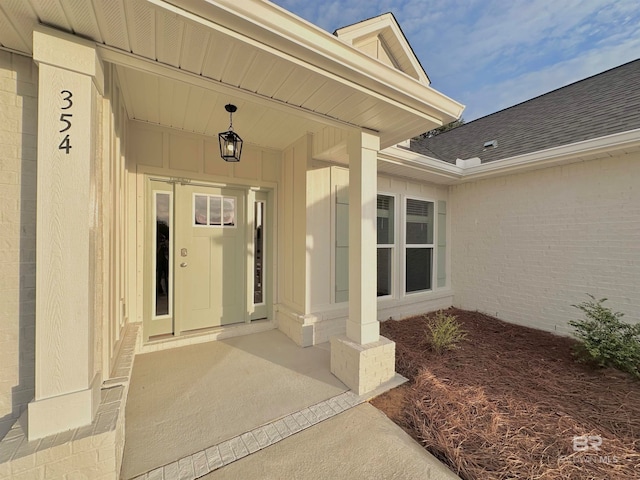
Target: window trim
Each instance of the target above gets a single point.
(393, 246)
(154, 259)
(404, 246)
(209, 196)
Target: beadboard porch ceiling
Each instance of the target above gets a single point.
(251, 52)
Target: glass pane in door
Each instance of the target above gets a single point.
(258, 257)
(163, 253)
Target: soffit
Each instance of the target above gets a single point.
(237, 52)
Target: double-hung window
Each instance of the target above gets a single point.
(385, 220)
(418, 245)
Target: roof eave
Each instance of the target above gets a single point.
(273, 26)
(601, 147)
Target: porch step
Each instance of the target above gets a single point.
(217, 456)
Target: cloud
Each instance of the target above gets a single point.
(487, 53)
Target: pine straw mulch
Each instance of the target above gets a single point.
(509, 401)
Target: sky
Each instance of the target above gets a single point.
(492, 54)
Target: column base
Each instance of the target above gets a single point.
(52, 415)
(363, 368)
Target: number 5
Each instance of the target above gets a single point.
(63, 119)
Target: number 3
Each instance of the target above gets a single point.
(67, 99)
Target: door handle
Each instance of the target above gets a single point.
(183, 264)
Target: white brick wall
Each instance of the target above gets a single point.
(18, 128)
(527, 246)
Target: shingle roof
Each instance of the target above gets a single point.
(597, 106)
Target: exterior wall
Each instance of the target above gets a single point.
(170, 153)
(293, 292)
(18, 131)
(528, 246)
(112, 298)
(327, 313)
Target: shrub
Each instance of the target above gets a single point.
(606, 340)
(444, 332)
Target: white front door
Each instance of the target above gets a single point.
(210, 256)
(205, 257)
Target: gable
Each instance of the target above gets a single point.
(382, 38)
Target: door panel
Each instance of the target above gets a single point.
(210, 279)
(207, 257)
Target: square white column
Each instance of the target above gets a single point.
(363, 359)
(362, 325)
(67, 387)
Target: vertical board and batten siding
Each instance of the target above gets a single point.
(18, 133)
(327, 244)
(165, 152)
(114, 299)
(292, 238)
(526, 247)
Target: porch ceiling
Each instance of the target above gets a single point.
(265, 54)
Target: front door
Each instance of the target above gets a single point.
(197, 272)
(210, 255)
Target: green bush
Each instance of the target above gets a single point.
(444, 332)
(606, 340)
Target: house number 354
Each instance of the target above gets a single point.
(65, 144)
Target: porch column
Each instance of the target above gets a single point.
(67, 389)
(362, 359)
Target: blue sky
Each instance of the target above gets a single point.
(491, 54)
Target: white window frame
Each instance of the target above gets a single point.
(154, 260)
(404, 246)
(209, 196)
(393, 246)
(264, 251)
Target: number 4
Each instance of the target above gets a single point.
(65, 145)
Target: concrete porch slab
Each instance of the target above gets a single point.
(184, 400)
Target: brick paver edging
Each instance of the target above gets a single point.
(206, 461)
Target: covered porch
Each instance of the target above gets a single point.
(140, 93)
(230, 397)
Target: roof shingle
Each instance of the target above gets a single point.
(601, 105)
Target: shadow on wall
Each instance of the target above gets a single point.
(26, 99)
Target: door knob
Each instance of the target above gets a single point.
(183, 264)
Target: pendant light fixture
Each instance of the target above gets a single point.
(230, 141)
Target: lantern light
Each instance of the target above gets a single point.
(230, 141)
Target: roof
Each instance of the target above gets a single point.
(601, 105)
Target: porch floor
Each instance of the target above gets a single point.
(187, 399)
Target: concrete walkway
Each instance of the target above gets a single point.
(360, 443)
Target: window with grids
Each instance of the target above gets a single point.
(385, 223)
(419, 222)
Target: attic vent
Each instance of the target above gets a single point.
(492, 143)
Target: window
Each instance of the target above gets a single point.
(162, 260)
(214, 211)
(418, 245)
(258, 254)
(385, 225)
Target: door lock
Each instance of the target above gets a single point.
(183, 252)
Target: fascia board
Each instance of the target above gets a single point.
(278, 31)
(609, 146)
(400, 156)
